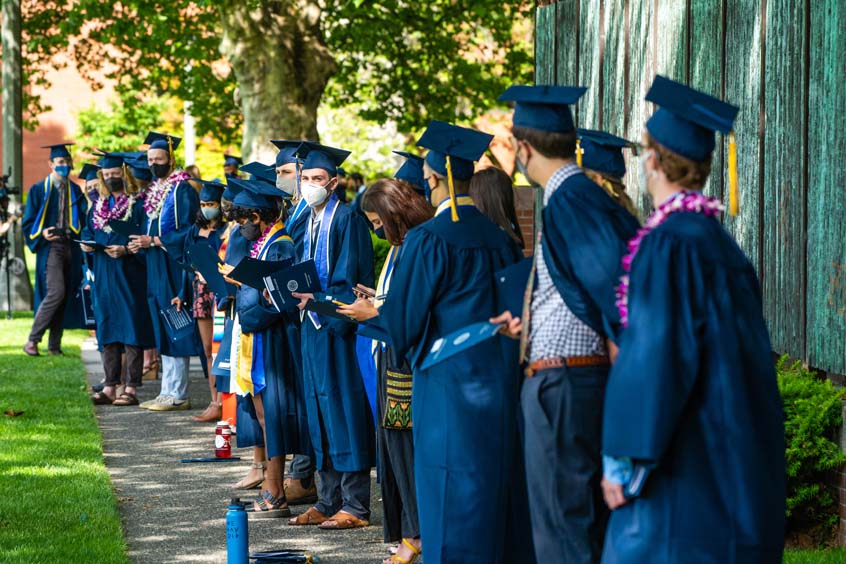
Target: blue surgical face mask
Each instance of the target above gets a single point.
(210, 213)
(62, 170)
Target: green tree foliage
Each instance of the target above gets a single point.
(123, 126)
(401, 60)
(812, 411)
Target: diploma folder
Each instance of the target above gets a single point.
(252, 272)
(178, 324)
(93, 244)
(327, 309)
(459, 341)
(124, 228)
(300, 278)
(205, 259)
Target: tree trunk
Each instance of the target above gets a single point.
(282, 66)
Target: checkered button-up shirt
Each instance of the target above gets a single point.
(554, 330)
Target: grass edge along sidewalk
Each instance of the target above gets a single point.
(56, 500)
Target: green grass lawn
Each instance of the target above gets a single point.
(831, 556)
(56, 500)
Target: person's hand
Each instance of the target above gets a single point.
(86, 248)
(363, 292)
(304, 299)
(613, 494)
(177, 302)
(225, 269)
(48, 234)
(143, 241)
(115, 251)
(511, 326)
(201, 278)
(613, 350)
(360, 310)
(266, 295)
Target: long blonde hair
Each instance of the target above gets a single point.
(615, 188)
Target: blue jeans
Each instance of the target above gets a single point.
(175, 376)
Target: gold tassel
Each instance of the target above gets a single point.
(452, 203)
(732, 166)
(579, 152)
(170, 150)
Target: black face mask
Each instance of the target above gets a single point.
(251, 231)
(380, 232)
(160, 170)
(114, 184)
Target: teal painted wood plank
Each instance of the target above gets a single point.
(567, 42)
(671, 44)
(705, 65)
(826, 286)
(743, 88)
(590, 31)
(614, 69)
(641, 73)
(784, 181)
(545, 45)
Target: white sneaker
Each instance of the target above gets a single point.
(169, 403)
(156, 401)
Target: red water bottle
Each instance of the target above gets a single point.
(222, 440)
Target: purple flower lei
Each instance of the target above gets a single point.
(255, 251)
(688, 202)
(121, 211)
(158, 191)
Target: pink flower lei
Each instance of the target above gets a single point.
(121, 211)
(688, 202)
(255, 251)
(157, 192)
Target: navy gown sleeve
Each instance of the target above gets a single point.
(584, 239)
(34, 201)
(415, 285)
(659, 359)
(353, 265)
(187, 206)
(253, 310)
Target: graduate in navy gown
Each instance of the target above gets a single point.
(120, 285)
(465, 408)
(300, 487)
(339, 416)
(693, 432)
(571, 322)
(601, 156)
(268, 354)
(55, 214)
(171, 205)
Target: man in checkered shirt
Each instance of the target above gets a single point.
(565, 327)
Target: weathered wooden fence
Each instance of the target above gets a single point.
(784, 63)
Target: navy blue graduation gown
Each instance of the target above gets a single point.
(464, 409)
(165, 280)
(120, 289)
(335, 397)
(694, 392)
(74, 316)
(584, 236)
(285, 419)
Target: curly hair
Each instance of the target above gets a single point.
(679, 169)
(265, 215)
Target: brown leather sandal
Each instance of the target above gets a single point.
(310, 517)
(343, 520)
(100, 398)
(126, 399)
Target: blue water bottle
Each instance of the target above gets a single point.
(237, 534)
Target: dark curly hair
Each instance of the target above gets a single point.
(265, 215)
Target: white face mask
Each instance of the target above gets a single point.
(314, 194)
(287, 185)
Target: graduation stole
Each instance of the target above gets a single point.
(297, 211)
(73, 212)
(321, 251)
(460, 202)
(385, 276)
(686, 201)
(251, 376)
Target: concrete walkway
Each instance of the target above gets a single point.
(174, 512)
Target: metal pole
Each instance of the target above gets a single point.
(13, 139)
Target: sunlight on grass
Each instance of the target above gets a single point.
(56, 500)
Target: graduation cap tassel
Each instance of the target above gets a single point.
(170, 148)
(732, 169)
(452, 204)
(579, 152)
